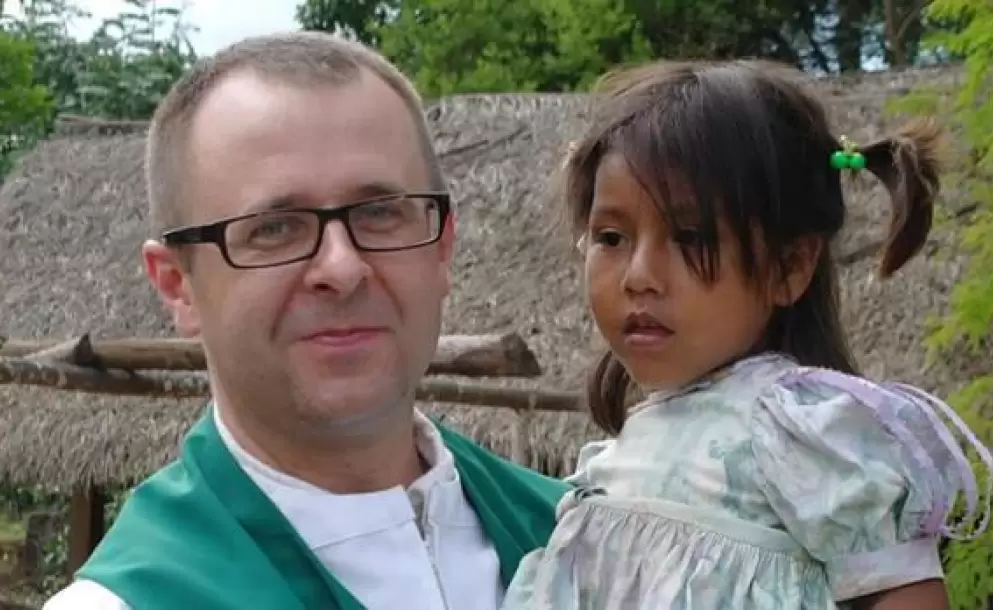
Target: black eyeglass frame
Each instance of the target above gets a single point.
(213, 233)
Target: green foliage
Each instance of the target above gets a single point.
(783, 30)
(461, 46)
(129, 68)
(822, 35)
(25, 107)
(121, 71)
(356, 19)
(969, 322)
(971, 316)
(17, 503)
(967, 564)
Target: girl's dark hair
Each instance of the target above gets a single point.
(754, 147)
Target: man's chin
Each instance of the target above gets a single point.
(352, 407)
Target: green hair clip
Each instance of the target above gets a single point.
(848, 157)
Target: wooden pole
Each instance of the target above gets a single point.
(86, 524)
(70, 377)
(493, 355)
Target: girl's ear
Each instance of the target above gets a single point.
(800, 263)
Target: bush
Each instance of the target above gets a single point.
(26, 108)
(967, 33)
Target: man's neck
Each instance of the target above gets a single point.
(377, 463)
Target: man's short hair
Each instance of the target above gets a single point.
(301, 58)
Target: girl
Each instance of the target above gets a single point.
(760, 472)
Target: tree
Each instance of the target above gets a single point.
(968, 33)
(853, 17)
(357, 19)
(902, 25)
(25, 107)
(722, 29)
(128, 68)
(120, 72)
(825, 36)
(459, 46)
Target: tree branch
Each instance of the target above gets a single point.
(908, 19)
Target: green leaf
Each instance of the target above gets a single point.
(968, 323)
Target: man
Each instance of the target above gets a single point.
(304, 235)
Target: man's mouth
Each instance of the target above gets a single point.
(341, 338)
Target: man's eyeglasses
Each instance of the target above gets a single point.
(280, 237)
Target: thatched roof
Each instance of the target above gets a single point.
(72, 216)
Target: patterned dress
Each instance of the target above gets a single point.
(768, 486)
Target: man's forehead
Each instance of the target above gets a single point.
(245, 102)
(256, 141)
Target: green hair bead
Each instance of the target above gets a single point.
(839, 160)
(849, 157)
(856, 161)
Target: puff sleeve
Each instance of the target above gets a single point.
(862, 475)
(581, 479)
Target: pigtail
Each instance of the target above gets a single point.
(907, 164)
(606, 394)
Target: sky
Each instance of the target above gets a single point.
(220, 22)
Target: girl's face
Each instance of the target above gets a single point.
(664, 323)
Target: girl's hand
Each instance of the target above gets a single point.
(926, 595)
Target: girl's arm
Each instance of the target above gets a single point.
(862, 475)
(926, 595)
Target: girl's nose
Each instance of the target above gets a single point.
(646, 268)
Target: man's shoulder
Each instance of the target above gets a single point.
(164, 512)
(85, 595)
(465, 448)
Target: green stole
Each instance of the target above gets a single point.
(200, 534)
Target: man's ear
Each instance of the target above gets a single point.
(171, 280)
(800, 263)
(446, 251)
(447, 241)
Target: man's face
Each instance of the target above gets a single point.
(255, 143)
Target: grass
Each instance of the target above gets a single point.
(10, 531)
(11, 535)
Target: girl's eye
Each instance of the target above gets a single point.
(608, 238)
(687, 238)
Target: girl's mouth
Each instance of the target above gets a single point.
(644, 330)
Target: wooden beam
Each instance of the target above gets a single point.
(195, 385)
(492, 355)
(86, 525)
(506, 355)
(519, 399)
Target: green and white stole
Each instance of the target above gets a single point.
(201, 534)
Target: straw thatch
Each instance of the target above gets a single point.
(72, 216)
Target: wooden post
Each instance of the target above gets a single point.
(86, 524)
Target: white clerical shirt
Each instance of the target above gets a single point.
(422, 548)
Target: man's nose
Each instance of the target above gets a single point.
(337, 267)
